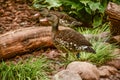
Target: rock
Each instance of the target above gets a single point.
(115, 63)
(86, 70)
(116, 52)
(115, 39)
(104, 36)
(104, 73)
(107, 71)
(66, 75)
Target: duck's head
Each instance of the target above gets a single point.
(54, 20)
(44, 11)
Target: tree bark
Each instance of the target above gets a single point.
(113, 12)
(25, 40)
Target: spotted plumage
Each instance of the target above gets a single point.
(68, 39)
(72, 41)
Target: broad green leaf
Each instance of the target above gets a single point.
(37, 1)
(53, 3)
(73, 12)
(88, 10)
(37, 6)
(66, 2)
(104, 3)
(74, 4)
(77, 6)
(97, 20)
(102, 9)
(85, 2)
(94, 5)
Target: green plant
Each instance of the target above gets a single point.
(30, 70)
(88, 11)
(46, 3)
(103, 50)
(100, 29)
(103, 54)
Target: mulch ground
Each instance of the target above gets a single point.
(15, 14)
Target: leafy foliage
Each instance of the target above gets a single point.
(46, 3)
(88, 11)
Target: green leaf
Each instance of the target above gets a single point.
(37, 6)
(77, 6)
(94, 5)
(97, 20)
(74, 4)
(102, 9)
(104, 3)
(85, 2)
(53, 3)
(88, 10)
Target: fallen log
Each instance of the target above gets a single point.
(25, 40)
(113, 12)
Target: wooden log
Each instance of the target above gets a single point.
(25, 40)
(113, 12)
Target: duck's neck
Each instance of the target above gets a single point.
(55, 25)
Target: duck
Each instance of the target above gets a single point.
(67, 39)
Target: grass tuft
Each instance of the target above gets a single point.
(103, 53)
(103, 28)
(30, 70)
(103, 50)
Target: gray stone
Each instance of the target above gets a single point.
(86, 70)
(107, 71)
(66, 75)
